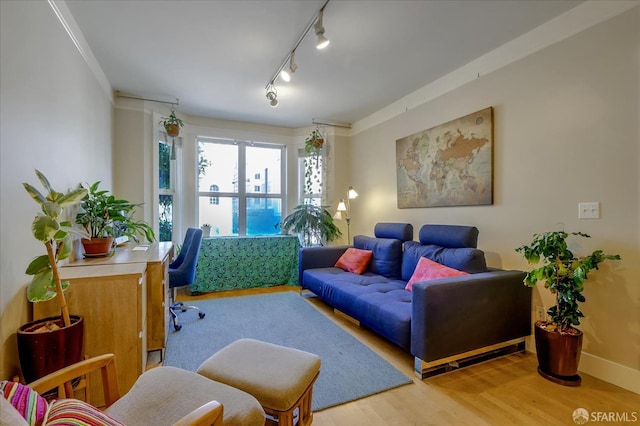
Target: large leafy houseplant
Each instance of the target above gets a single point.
(313, 223)
(104, 215)
(558, 342)
(49, 344)
(563, 274)
(57, 237)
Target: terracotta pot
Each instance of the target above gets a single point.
(172, 129)
(558, 355)
(97, 246)
(42, 353)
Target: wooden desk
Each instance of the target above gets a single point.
(157, 257)
(113, 301)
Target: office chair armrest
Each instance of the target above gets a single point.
(105, 363)
(210, 413)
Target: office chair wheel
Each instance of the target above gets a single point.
(177, 327)
(201, 314)
(184, 309)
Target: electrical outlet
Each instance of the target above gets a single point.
(540, 313)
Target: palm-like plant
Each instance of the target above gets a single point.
(562, 272)
(57, 237)
(313, 223)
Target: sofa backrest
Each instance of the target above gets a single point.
(450, 236)
(450, 245)
(386, 247)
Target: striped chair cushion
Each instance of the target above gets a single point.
(25, 400)
(73, 412)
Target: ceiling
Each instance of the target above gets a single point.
(216, 57)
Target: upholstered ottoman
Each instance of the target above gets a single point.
(280, 378)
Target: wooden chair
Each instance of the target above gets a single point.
(210, 413)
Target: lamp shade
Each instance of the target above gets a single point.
(342, 206)
(352, 193)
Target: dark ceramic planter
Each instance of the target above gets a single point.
(558, 356)
(42, 353)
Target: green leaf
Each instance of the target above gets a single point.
(44, 181)
(38, 265)
(44, 228)
(72, 198)
(51, 209)
(34, 193)
(41, 288)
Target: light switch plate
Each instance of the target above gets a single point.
(589, 210)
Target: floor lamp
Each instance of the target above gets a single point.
(342, 207)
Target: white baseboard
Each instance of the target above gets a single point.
(609, 371)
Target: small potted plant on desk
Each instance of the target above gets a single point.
(104, 217)
(49, 344)
(558, 343)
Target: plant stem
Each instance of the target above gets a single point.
(62, 301)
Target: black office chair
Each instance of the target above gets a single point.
(182, 272)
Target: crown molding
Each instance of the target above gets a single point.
(70, 25)
(573, 21)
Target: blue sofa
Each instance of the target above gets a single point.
(441, 321)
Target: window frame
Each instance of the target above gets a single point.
(241, 193)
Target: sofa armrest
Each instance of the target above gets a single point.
(454, 315)
(318, 257)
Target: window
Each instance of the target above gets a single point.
(214, 200)
(249, 186)
(166, 192)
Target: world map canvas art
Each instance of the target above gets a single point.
(447, 165)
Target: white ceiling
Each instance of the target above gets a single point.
(218, 56)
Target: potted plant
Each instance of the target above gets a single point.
(172, 124)
(51, 343)
(104, 217)
(558, 342)
(313, 162)
(313, 224)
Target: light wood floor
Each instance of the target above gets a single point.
(504, 391)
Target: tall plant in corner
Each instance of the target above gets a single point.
(57, 237)
(558, 343)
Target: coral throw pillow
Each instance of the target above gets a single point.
(354, 260)
(427, 269)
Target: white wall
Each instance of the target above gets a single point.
(566, 131)
(55, 117)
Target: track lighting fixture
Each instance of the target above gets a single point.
(288, 66)
(285, 74)
(319, 28)
(272, 95)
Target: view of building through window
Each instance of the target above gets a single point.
(240, 187)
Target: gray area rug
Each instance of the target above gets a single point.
(349, 370)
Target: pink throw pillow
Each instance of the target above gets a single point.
(427, 269)
(354, 260)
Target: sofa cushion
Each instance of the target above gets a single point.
(429, 270)
(354, 260)
(387, 254)
(469, 260)
(450, 236)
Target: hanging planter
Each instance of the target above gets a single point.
(172, 124)
(313, 162)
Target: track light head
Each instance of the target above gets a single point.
(285, 74)
(319, 28)
(272, 95)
